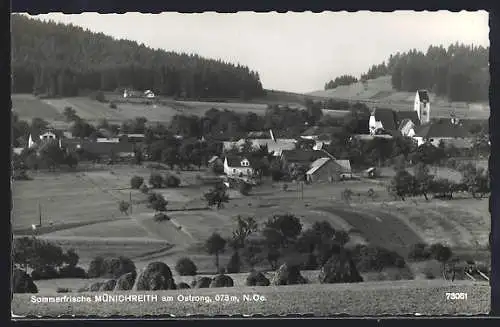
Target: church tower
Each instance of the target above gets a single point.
(422, 106)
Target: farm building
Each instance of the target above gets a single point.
(446, 131)
(422, 106)
(388, 120)
(149, 94)
(328, 170)
(301, 157)
(37, 138)
(132, 138)
(274, 146)
(238, 166)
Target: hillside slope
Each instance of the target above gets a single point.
(379, 92)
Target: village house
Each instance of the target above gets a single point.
(236, 166)
(323, 133)
(393, 122)
(329, 170)
(275, 146)
(422, 106)
(132, 94)
(301, 157)
(37, 138)
(448, 131)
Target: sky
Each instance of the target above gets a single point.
(294, 52)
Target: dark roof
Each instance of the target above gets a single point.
(320, 130)
(35, 133)
(387, 117)
(259, 134)
(235, 161)
(423, 95)
(442, 129)
(107, 148)
(411, 115)
(302, 156)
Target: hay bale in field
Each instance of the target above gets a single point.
(108, 285)
(288, 274)
(340, 268)
(156, 276)
(221, 281)
(257, 279)
(22, 282)
(202, 282)
(182, 286)
(126, 282)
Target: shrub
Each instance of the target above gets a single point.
(156, 276)
(112, 105)
(71, 258)
(156, 180)
(172, 181)
(136, 182)
(288, 274)
(21, 175)
(419, 252)
(112, 267)
(368, 258)
(44, 273)
(185, 267)
(108, 285)
(285, 187)
(160, 216)
(22, 282)
(99, 96)
(144, 189)
(203, 282)
(182, 286)
(126, 282)
(63, 290)
(72, 272)
(37, 254)
(257, 279)
(221, 281)
(340, 268)
(123, 206)
(245, 188)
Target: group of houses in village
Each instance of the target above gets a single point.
(321, 165)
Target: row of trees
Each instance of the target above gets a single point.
(341, 80)
(404, 184)
(283, 238)
(61, 60)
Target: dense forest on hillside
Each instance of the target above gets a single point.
(61, 60)
(460, 72)
(341, 80)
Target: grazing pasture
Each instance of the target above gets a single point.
(27, 106)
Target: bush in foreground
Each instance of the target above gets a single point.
(288, 274)
(126, 282)
(22, 282)
(185, 267)
(112, 267)
(221, 281)
(72, 272)
(202, 282)
(340, 268)
(183, 286)
(63, 290)
(257, 279)
(156, 276)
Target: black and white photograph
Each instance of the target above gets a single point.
(202, 164)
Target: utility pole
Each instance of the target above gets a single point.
(40, 214)
(130, 200)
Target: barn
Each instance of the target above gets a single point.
(328, 170)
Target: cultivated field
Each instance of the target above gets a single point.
(380, 298)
